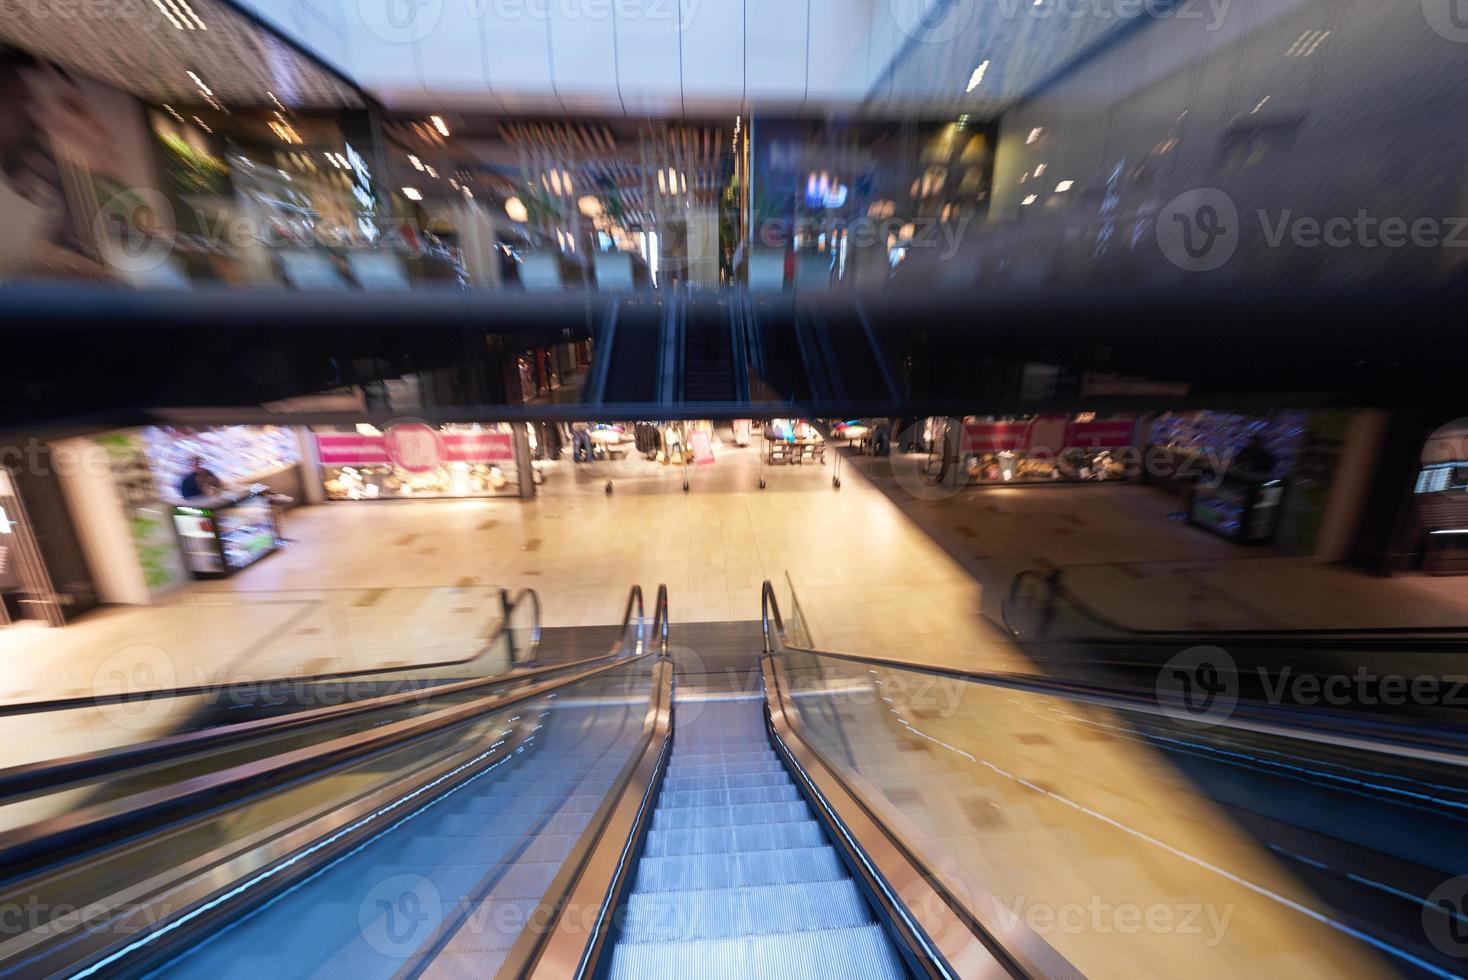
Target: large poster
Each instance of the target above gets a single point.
(70, 148)
(149, 519)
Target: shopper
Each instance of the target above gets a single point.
(199, 481)
(1255, 459)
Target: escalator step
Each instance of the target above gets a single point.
(680, 784)
(677, 799)
(666, 917)
(729, 816)
(860, 953)
(756, 837)
(699, 872)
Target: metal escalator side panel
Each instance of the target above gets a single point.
(570, 926)
(606, 342)
(930, 925)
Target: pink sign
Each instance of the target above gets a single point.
(993, 437)
(414, 447)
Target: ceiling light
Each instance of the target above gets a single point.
(1064, 186)
(417, 164)
(204, 126)
(1040, 170)
(1029, 200)
(467, 192)
(412, 194)
(977, 78)
(1034, 136)
(515, 208)
(438, 124)
(430, 171)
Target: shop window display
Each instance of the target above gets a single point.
(417, 461)
(240, 455)
(1046, 449)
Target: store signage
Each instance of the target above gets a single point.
(995, 437)
(411, 450)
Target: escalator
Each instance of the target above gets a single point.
(848, 816)
(781, 372)
(709, 366)
(737, 871)
(1315, 672)
(633, 373)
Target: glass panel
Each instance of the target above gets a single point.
(258, 654)
(1130, 843)
(460, 873)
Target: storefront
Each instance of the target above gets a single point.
(1048, 449)
(418, 461)
(1440, 499)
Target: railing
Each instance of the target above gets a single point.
(56, 773)
(945, 758)
(516, 652)
(1034, 616)
(147, 818)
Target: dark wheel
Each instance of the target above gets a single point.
(609, 486)
(836, 482)
(762, 483)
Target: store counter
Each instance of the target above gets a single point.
(227, 532)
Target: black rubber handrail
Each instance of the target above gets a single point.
(53, 774)
(1057, 590)
(97, 700)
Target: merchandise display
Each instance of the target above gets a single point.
(1240, 510)
(225, 534)
(1045, 449)
(416, 461)
(240, 455)
(1201, 438)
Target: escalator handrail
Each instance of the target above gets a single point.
(1057, 590)
(660, 621)
(97, 700)
(152, 809)
(772, 625)
(1392, 737)
(532, 952)
(52, 774)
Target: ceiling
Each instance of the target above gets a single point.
(150, 47)
(882, 58)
